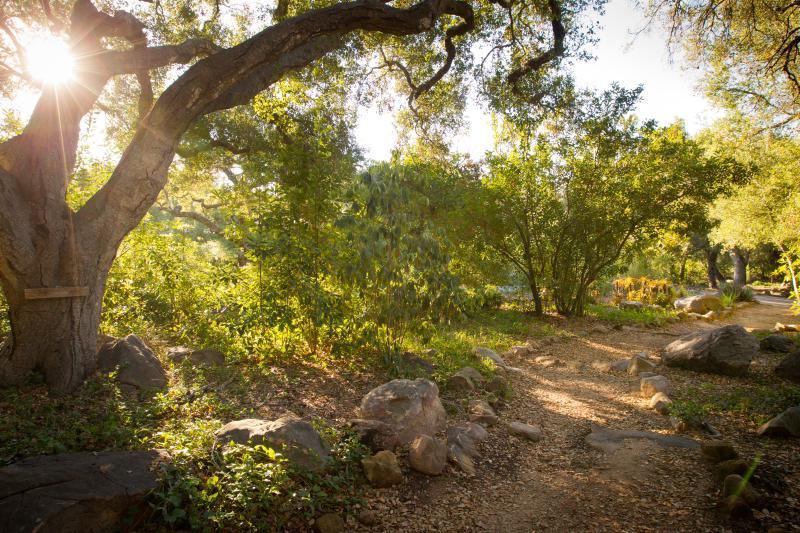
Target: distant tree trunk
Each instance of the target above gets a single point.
(739, 267)
(712, 271)
(538, 310)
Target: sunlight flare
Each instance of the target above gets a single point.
(50, 61)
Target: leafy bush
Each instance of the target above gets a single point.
(732, 294)
(642, 317)
(645, 290)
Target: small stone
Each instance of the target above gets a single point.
(527, 431)
(498, 385)
(735, 485)
(460, 383)
(661, 403)
(329, 523)
(789, 367)
(546, 362)
(428, 455)
(646, 375)
(368, 517)
(382, 469)
(639, 364)
(652, 385)
(718, 450)
(520, 351)
(621, 365)
(724, 469)
(777, 343)
(482, 413)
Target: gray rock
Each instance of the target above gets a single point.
(526, 431)
(652, 385)
(86, 491)
(786, 424)
(498, 385)
(204, 357)
(608, 440)
(621, 365)
(631, 305)
(643, 375)
(382, 469)
(296, 439)
(482, 413)
(700, 304)
(521, 351)
(777, 343)
(486, 353)
(789, 367)
(661, 403)
(410, 408)
(639, 364)
(427, 455)
(726, 350)
(416, 364)
(718, 450)
(138, 366)
(462, 445)
(374, 434)
(368, 517)
(458, 382)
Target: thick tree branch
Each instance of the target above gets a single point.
(553, 53)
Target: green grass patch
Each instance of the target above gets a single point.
(757, 403)
(648, 316)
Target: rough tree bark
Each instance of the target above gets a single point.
(739, 267)
(44, 244)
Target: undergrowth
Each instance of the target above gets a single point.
(648, 316)
(757, 403)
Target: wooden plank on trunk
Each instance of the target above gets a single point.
(45, 293)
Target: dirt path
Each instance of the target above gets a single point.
(764, 313)
(562, 484)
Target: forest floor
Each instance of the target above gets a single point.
(562, 484)
(559, 483)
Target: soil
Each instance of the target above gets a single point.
(562, 484)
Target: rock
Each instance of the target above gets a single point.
(296, 439)
(382, 469)
(416, 364)
(498, 385)
(139, 368)
(638, 364)
(458, 382)
(631, 305)
(654, 384)
(609, 440)
(374, 434)
(661, 403)
(643, 375)
(726, 350)
(777, 343)
(785, 327)
(789, 367)
(205, 357)
(621, 365)
(521, 351)
(410, 408)
(329, 523)
(735, 485)
(601, 366)
(461, 445)
(427, 455)
(368, 517)
(731, 466)
(599, 328)
(786, 424)
(86, 491)
(486, 353)
(700, 304)
(546, 361)
(525, 431)
(482, 413)
(718, 450)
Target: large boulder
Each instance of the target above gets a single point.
(296, 439)
(139, 368)
(789, 368)
(777, 343)
(727, 350)
(204, 357)
(409, 407)
(786, 424)
(75, 492)
(700, 304)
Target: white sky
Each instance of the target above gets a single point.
(671, 86)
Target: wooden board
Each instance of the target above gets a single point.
(46, 293)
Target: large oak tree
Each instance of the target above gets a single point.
(44, 244)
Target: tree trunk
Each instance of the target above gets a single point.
(712, 254)
(739, 268)
(537, 297)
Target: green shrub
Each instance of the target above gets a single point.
(732, 294)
